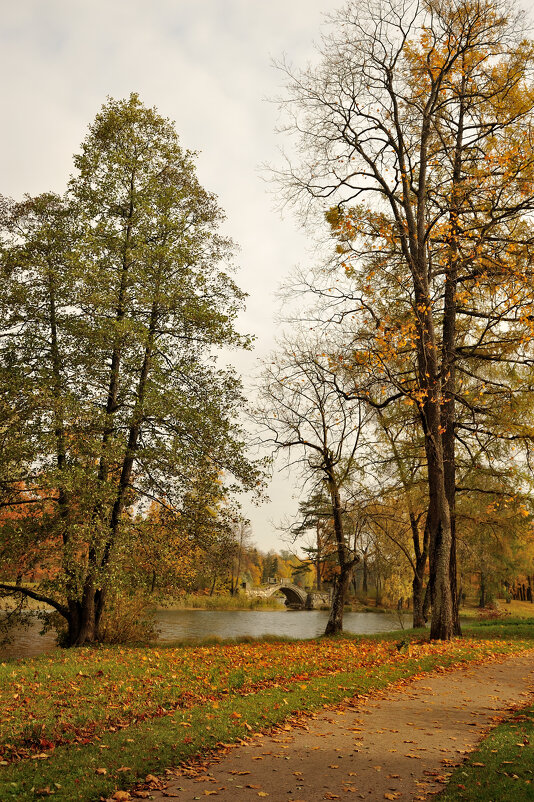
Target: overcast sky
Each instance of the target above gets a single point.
(206, 64)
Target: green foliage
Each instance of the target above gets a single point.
(114, 301)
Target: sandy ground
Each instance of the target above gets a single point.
(399, 745)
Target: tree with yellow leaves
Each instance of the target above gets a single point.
(416, 130)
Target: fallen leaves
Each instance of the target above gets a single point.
(114, 688)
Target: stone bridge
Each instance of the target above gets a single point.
(296, 597)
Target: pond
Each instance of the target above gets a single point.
(179, 624)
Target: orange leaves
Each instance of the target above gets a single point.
(68, 698)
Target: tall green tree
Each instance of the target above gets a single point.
(123, 299)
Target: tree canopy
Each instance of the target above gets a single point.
(115, 298)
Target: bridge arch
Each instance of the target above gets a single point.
(294, 595)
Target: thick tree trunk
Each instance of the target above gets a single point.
(82, 629)
(442, 626)
(339, 595)
(78, 615)
(439, 521)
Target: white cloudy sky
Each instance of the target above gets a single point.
(205, 64)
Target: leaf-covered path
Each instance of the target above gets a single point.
(400, 744)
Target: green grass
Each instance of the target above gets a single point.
(502, 768)
(507, 628)
(499, 752)
(169, 703)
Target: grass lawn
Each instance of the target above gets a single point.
(79, 724)
(502, 768)
(514, 609)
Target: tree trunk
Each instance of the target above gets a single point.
(448, 412)
(427, 603)
(318, 579)
(430, 380)
(335, 620)
(438, 519)
(339, 595)
(134, 433)
(421, 556)
(482, 599)
(418, 601)
(83, 629)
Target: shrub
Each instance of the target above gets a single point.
(127, 619)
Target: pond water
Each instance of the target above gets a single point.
(179, 624)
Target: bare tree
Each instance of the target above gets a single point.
(305, 416)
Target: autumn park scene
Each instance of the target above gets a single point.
(267, 401)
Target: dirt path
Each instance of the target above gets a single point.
(400, 745)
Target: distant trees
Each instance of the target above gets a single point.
(114, 298)
(415, 132)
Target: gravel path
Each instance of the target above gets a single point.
(401, 744)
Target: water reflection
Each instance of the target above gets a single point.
(26, 641)
(294, 624)
(179, 624)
